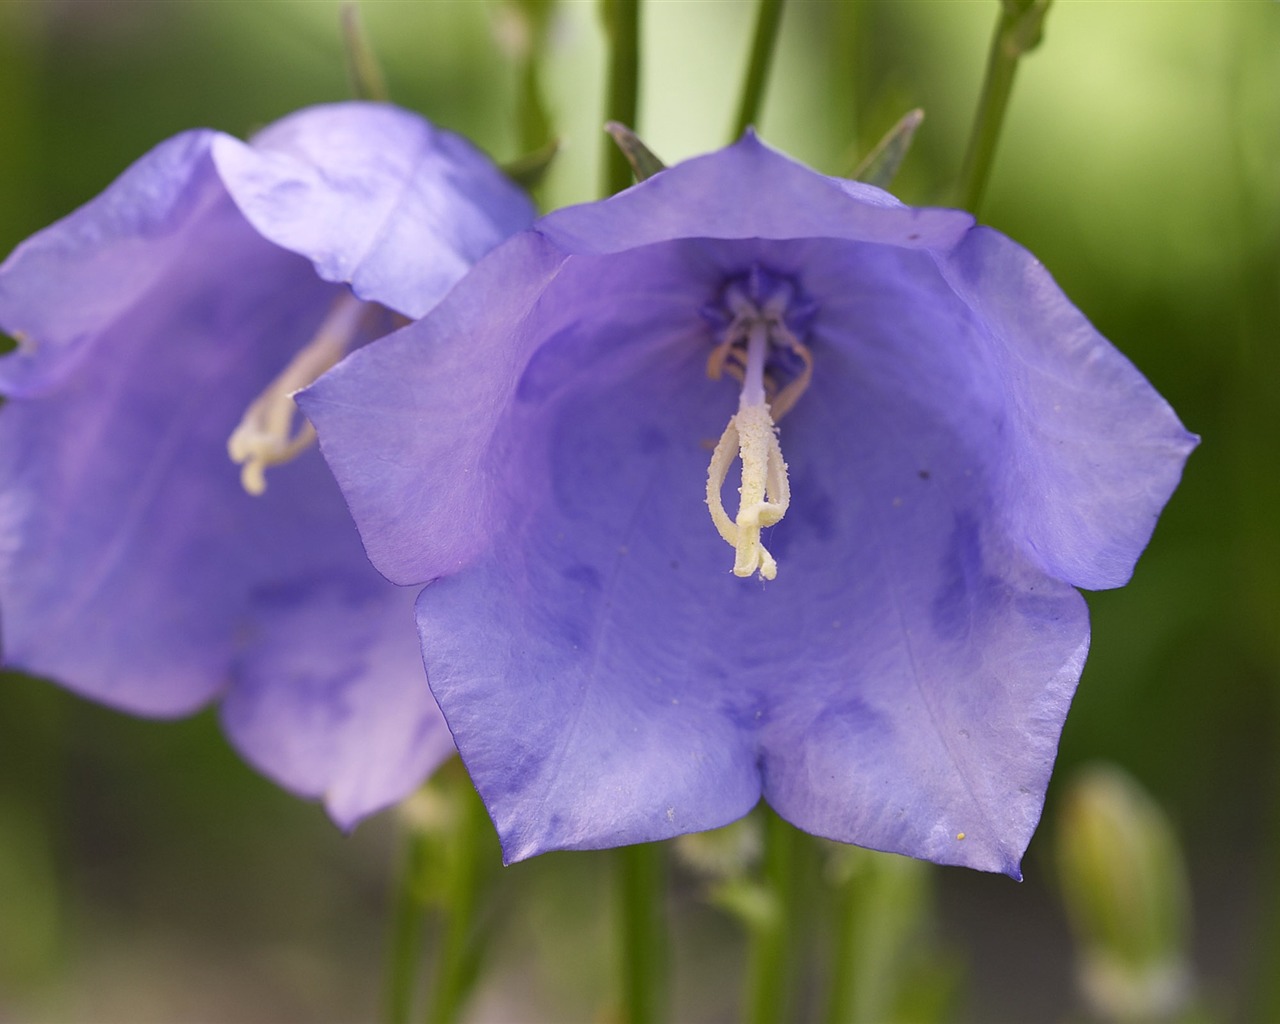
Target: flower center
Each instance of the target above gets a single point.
(757, 345)
(272, 431)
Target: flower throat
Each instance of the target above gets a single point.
(757, 319)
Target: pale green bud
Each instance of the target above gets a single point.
(1125, 888)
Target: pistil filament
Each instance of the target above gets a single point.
(266, 435)
(756, 332)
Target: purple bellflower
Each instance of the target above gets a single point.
(954, 448)
(160, 330)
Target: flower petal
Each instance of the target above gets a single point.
(450, 376)
(375, 197)
(134, 568)
(940, 663)
(88, 269)
(1095, 452)
(329, 697)
(749, 191)
(121, 573)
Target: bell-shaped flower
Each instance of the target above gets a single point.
(166, 322)
(753, 482)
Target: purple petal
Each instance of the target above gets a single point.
(134, 569)
(90, 268)
(429, 375)
(121, 571)
(329, 697)
(375, 197)
(1094, 451)
(749, 191)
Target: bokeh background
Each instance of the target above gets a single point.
(146, 874)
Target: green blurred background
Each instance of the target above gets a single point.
(146, 874)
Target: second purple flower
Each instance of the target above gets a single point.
(161, 329)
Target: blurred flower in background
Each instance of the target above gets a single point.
(164, 326)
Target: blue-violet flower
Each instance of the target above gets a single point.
(955, 450)
(160, 329)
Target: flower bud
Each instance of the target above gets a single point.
(1125, 888)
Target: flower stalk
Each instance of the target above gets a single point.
(770, 936)
(763, 44)
(642, 890)
(622, 97)
(1018, 31)
(408, 928)
(364, 71)
(527, 23)
(460, 945)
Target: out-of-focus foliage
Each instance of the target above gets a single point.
(146, 874)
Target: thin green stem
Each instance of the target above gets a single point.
(457, 955)
(840, 1005)
(768, 17)
(533, 122)
(769, 965)
(622, 98)
(408, 925)
(1017, 31)
(363, 70)
(642, 889)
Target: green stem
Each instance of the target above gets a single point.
(458, 952)
(642, 887)
(841, 1005)
(1017, 32)
(622, 99)
(363, 70)
(408, 921)
(533, 122)
(768, 17)
(768, 965)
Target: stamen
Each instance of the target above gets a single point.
(786, 399)
(266, 435)
(758, 347)
(728, 357)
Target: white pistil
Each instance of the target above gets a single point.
(266, 435)
(765, 492)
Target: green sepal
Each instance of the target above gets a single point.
(641, 158)
(880, 166)
(528, 170)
